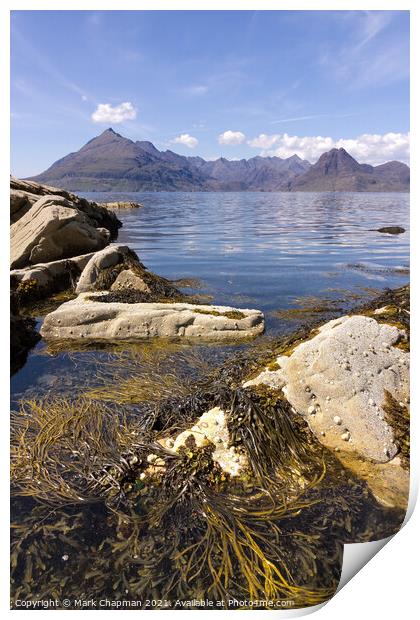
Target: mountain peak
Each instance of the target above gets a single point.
(109, 132)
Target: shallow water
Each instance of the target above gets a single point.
(254, 250)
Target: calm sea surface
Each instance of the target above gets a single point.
(271, 251)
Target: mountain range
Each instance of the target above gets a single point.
(110, 162)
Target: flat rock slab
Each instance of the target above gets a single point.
(337, 381)
(86, 318)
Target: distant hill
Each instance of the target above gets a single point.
(337, 171)
(111, 162)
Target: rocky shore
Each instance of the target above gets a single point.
(61, 242)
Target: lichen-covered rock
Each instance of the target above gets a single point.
(337, 381)
(88, 318)
(100, 216)
(53, 229)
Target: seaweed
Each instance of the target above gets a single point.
(397, 415)
(229, 314)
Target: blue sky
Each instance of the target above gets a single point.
(210, 83)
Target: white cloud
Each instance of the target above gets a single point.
(231, 137)
(186, 140)
(368, 148)
(105, 113)
(263, 141)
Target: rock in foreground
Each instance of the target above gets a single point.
(89, 318)
(53, 229)
(23, 194)
(338, 381)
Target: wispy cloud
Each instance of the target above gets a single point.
(372, 55)
(313, 116)
(196, 90)
(46, 66)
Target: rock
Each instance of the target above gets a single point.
(391, 230)
(53, 229)
(118, 268)
(343, 397)
(23, 336)
(54, 276)
(105, 259)
(121, 204)
(90, 319)
(127, 279)
(212, 428)
(20, 203)
(101, 217)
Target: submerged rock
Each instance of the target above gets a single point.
(87, 317)
(344, 372)
(392, 230)
(53, 229)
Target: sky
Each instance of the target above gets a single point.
(210, 83)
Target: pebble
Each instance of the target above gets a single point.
(322, 433)
(65, 557)
(133, 460)
(371, 402)
(151, 458)
(345, 436)
(328, 398)
(337, 419)
(170, 443)
(312, 410)
(142, 476)
(307, 389)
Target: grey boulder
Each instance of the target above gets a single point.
(87, 318)
(109, 257)
(53, 229)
